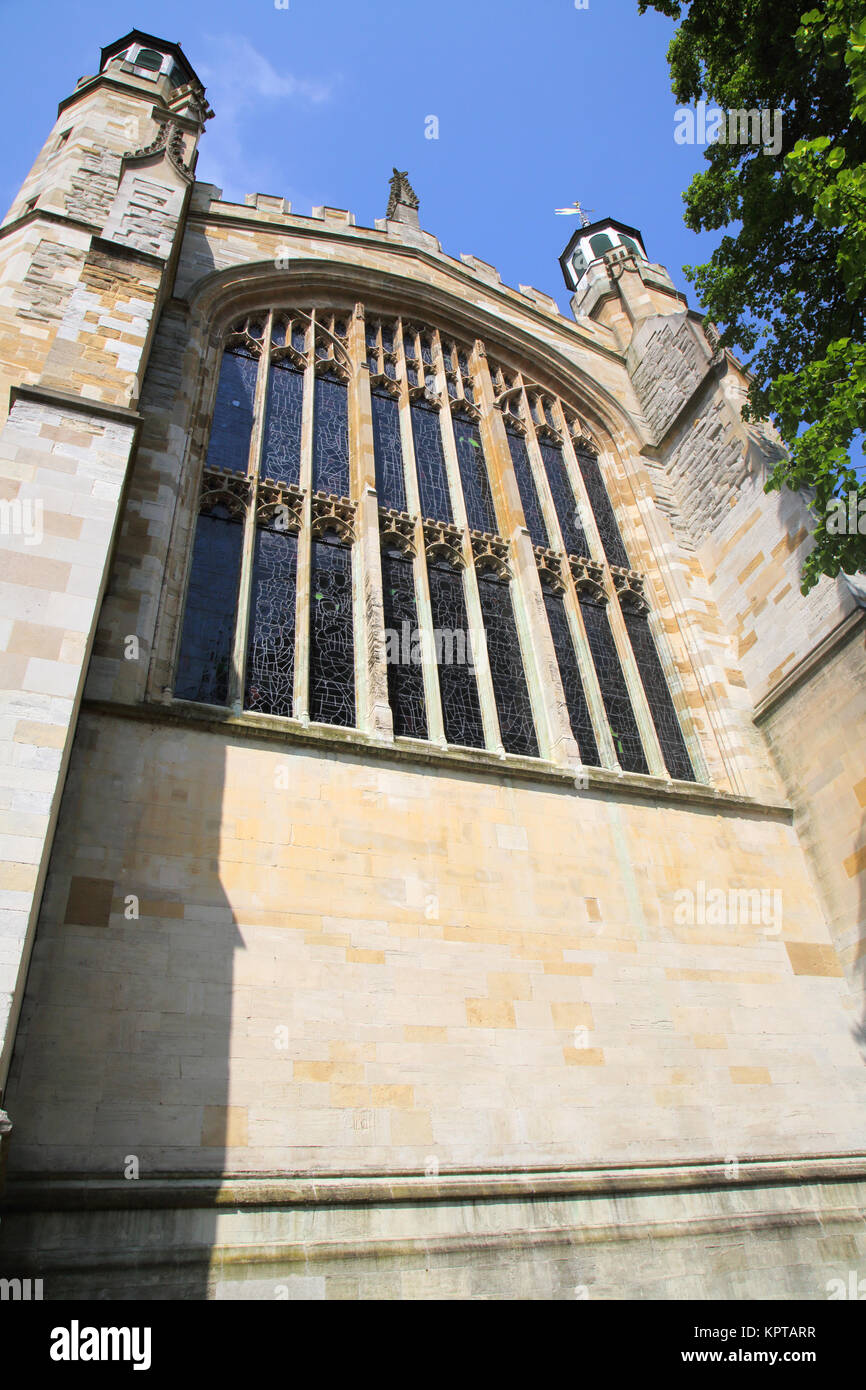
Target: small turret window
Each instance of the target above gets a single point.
(600, 243)
(631, 245)
(148, 58)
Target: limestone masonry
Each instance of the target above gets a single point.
(535, 977)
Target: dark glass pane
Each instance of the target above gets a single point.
(563, 499)
(605, 519)
(506, 668)
(282, 454)
(572, 685)
(388, 452)
(332, 656)
(232, 425)
(403, 648)
(473, 474)
(452, 387)
(299, 337)
(388, 337)
(391, 369)
(461, 711)
(432, 479)
(211, 604)
(614, 692)
(527, 489)
(331, 438)
(426, 351)
(271, 650)
(149, 58)
(664, 715)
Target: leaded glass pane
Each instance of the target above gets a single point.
(332, 656)
(527, 489)
(331, 438)
(403, 647)
(473, 474)
(430, 459)
(614, 691)
(206, 643)
(271, 650)
(605, 519)
(572, 685)
(282, 452)
(664, 715)
(573, 535)
(461, 711)
(513, 706)
(388, 452)
(232, 425)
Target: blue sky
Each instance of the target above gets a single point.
(537, 104)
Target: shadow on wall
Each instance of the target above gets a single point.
(120, 1072)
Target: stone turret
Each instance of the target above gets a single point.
(87, 255)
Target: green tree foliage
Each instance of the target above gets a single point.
(789, 289)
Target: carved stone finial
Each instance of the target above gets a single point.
(402, 196)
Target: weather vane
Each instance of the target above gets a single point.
(576, 210)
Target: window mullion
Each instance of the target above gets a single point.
(542, 672)
(585, 663)
(472, 598)
(302, 620)
(637, 694)
(435, 720)
(239, 655)
(373, 709)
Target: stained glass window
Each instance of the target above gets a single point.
(664, 715)
(614, 692)
(388, 452)
(602, 510)
(402, 646)
(331, 437)
(430, 459)
(572, 685)
(473, 474)
(282, 452)
(573, 535)
(271, 650)
(264, 566)
(506, 667)
(461, 711)
(208, 633)
(526, 487)
(233, 412)
(332, 655)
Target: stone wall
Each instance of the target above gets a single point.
(815, 732)
(344, 964)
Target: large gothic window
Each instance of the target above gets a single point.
(296, 609)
